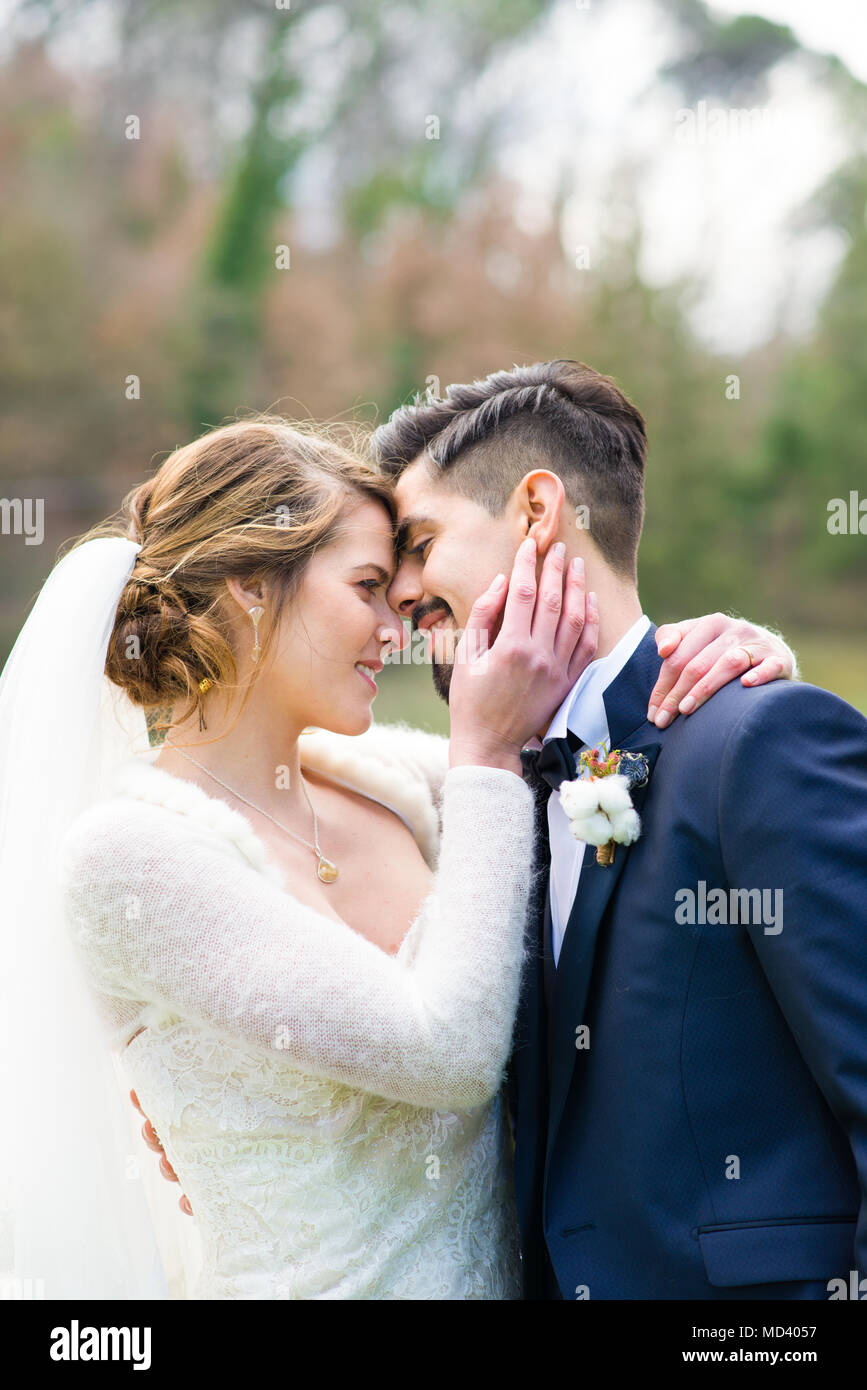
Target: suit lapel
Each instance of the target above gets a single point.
(548, 967)
(595, 888)
(550, 976)
(626, 709)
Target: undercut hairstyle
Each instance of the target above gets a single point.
(483, 438)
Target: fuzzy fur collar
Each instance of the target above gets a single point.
(330, 754)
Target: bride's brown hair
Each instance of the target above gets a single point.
(253, 499)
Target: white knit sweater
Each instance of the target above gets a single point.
(332, 1112)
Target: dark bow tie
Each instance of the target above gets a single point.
(554, 762)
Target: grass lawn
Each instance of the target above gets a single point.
(837, 663)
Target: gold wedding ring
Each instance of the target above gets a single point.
(750, 657)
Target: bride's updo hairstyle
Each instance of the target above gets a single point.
(254, 499)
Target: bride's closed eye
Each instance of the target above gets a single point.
(420, 548)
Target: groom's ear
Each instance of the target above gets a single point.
(538, 502)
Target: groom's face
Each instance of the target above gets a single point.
(451, 549)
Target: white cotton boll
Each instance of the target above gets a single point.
(593, 829)
(625, 826)
(579, 798)
(613, 794)
(580, 801)
(600, 810)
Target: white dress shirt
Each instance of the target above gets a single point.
(582, 711)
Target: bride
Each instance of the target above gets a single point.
(306, 945)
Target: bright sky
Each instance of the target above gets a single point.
(832, 26)
(718, 205)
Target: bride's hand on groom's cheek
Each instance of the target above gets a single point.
(152, 1141)
(704, 654)
(525, 644)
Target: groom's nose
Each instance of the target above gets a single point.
(405, 589)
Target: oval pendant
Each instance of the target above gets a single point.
(326, 870)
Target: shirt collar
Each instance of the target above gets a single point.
(583, 710)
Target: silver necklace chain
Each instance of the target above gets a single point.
(315, 847)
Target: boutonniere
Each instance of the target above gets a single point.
(599, 802)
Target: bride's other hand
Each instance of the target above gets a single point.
(152, 1141)
(506, 688)
(704, 654)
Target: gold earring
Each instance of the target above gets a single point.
(204, 686)
(256, 613)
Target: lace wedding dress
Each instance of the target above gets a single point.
(334, 1114)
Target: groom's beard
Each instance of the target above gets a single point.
(441, 670)
(442, 678)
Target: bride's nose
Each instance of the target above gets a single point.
(392, 634)
(393, 638)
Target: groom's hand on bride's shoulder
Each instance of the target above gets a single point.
(704, 654)
(152, 1141)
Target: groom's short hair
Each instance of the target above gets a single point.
(563, 416)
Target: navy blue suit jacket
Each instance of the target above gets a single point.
(711, 1141)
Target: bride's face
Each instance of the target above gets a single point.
(338, 622)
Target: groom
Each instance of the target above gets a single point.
(688, 1083)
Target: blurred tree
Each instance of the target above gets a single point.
(813, 448)
(185, 51)
(728, 58)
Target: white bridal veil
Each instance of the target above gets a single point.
(81, 1212)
